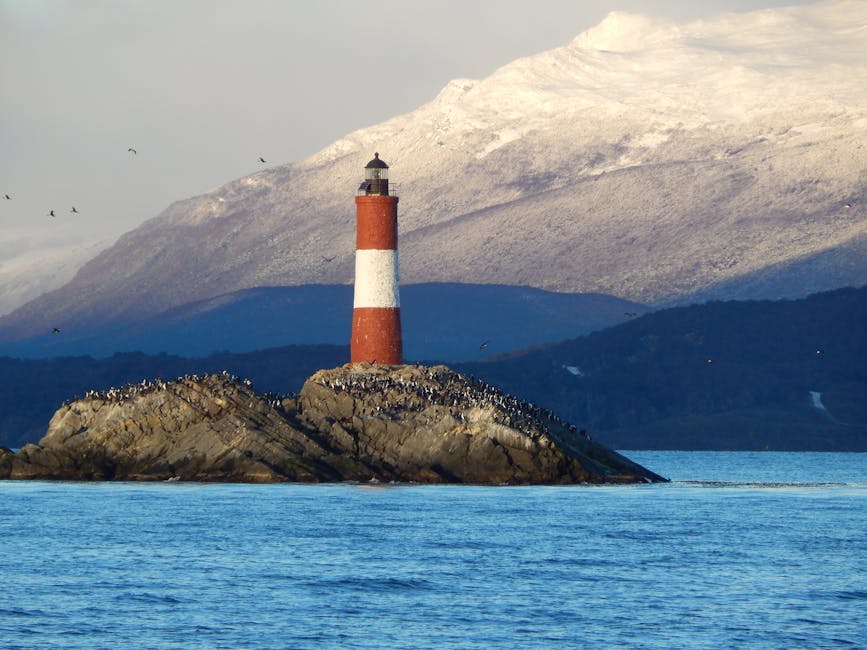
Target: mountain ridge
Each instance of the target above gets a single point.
(440, 321)
(678, 170)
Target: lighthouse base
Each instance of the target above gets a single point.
(376, 336)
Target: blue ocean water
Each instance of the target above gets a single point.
(741, 550)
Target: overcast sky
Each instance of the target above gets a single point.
(202, 88)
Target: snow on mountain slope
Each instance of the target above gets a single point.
(25, 277)
(654, 161)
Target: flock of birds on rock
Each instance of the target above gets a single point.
(122, 394)
(132, 391)
(445, 388)
(399, 392)
(127, 392)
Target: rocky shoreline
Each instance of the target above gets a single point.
(359, 422)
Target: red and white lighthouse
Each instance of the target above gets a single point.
(376, 335)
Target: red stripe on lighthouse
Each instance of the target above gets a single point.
(376, 336)
(377, 222)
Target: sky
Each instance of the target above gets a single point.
(201, 89)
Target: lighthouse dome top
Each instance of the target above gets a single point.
(375, 178)
(376, 163)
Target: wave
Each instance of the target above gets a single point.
(767, 485)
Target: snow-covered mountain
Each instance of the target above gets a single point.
(658, 162)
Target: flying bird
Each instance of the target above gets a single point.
(74, 210)
(55, 330)
(329, 259)
(51, 213)
(132, 150)
(7, 197)
(484, 345)
(262, 159)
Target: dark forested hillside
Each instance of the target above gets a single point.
(722, 375)
(440, 321)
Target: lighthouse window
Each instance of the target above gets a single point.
(375, 173)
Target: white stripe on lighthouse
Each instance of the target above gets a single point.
(376, 278)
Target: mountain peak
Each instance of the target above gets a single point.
(621, 31)
(829, 32)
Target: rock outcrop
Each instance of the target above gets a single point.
(6, 458)
(355, 423)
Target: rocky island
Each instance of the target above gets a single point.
(359, 422)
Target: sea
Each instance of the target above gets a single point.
(739, 550)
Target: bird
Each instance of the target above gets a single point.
(709, 360)
(55, 330)
(484, 345)
(7, 197)
(132, 150)
(51, 213)
(819, 351)
(630, 314)
(262, 159)
(329, 259)
(74, 210)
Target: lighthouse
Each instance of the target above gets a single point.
(376, 335)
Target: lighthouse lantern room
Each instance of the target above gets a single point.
(375, 177)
